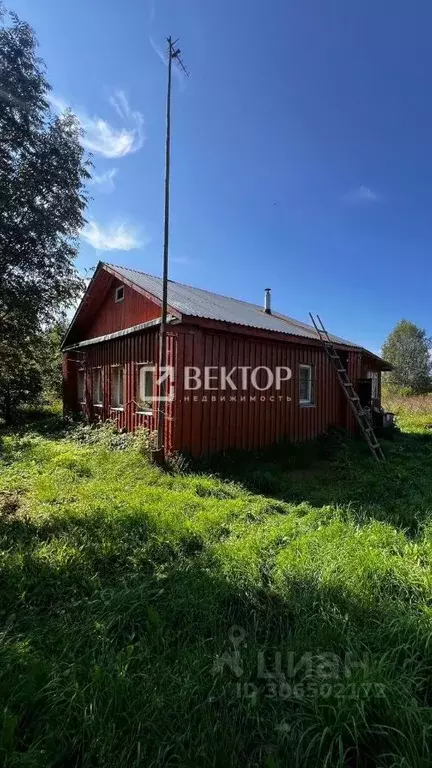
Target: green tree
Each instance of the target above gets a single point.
(50, 358)
(43, 172)
(408, 349)
(33, 376)
(20, 382)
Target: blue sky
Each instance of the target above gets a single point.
(302, 151)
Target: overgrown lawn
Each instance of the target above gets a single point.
(272, 611)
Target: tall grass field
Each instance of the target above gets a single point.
(271, 610)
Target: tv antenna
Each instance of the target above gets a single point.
(175, 54)
(172, 54)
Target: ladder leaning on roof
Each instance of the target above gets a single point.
(360, 414)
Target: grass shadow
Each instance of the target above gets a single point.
(110, 647)
(339, 471)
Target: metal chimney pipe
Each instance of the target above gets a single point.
(267, 301)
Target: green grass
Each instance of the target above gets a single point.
(414, 413)
(272, 611)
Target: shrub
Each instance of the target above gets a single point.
(107, 435)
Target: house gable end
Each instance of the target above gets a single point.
(105, 310)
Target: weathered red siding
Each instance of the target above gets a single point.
(202, 422)
(69, 372)
(116, 316)
(207, 422)
(129, 352)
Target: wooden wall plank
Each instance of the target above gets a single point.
(203, 422)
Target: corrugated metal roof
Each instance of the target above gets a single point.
(197, 302)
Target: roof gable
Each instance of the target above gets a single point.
(99, 314)
(184, 302)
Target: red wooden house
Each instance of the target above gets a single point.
(238, 375)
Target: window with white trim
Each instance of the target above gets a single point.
(117, 389)
(81, 385)
(97, 386)
(306, 385)
(146, 376)
(119, 294)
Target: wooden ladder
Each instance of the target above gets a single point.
(360, 414)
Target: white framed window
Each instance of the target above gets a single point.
(117, 389)
(146, 378)
(97, 386)
(81, 381)
(374, 376)
(119, 293)
(306, 385)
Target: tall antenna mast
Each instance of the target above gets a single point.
(173, 54)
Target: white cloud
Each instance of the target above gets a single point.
(158, 51)
(105, 181)
(152, 14)
(183, 260)
(101, 137)
(115, 237)
(362, 194)
(120, 103)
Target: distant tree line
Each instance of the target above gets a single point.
(408, 349)
(43, 172)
